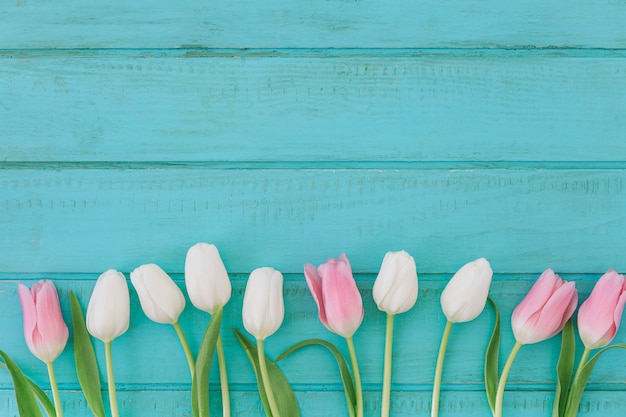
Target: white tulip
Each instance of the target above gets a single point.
(108, 313)
(395, 288)
(263, 305)
(161, 299)
(206, 278)
(465, 296)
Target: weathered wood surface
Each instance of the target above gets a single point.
(289, 132)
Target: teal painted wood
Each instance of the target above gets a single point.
(130, 106)
(303, 24)
(523, 220)
(147, 344)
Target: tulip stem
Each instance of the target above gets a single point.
(503, 377)
(55, 390)
(357, 378)
(581, 364)
(266, 380)
(185, 344)
(111, 379)
(221, 360)
(439, 369)
(387, 367)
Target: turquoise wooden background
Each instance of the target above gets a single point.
(287, 132)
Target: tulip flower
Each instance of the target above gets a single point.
(206, 278)
(162, 301)
(108, 316)
(340, 307)
(542, 314)
(108, 313)
(209, 289)
(600, 315)
(263, 313)
(45, 331)
(462, 300)
(395, 292)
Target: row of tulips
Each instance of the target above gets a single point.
(545, 312)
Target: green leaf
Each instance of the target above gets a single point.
(285, 397)
(564, 369)
(44, 400)
(85, 359)
(580, 382)
(491, 360)
(346, 377)
(200, 385)
(26, 400)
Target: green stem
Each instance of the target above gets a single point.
(581, 364)
(185, 344)
(55, 390)
(439, 369)
(111, 379)
(503, 377)
(266, 381)
(221, 360)
(387, 367)
(357, 378)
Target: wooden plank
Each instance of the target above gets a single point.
(416, 340)
(442, 108)
(331, 403)
(302, 24)
(524, 220)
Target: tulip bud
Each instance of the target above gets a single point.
(545, 310)
(600, 315)
(206, 278)
(263, 306)
(465, 296)
(161, 299)
(44, 329)
(108, 313)
(395, 288)
(336, 295)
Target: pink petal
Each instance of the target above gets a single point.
(596, 317)
(556, 311)
(538, 295)
(29, 311)
(343, 303)
(314, 281)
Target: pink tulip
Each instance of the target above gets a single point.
(600, 315)
(44, 329)
(338, 299)
(545, 310)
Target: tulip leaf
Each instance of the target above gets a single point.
(285, 397)
(200, 385)
(491, 360)
(85, 358)
(346, 377)
(44, 400)
(580, 382)
(24, 394)
(564, 369)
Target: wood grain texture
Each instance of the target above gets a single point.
(304, 24)
(132, 107)
(523, 220)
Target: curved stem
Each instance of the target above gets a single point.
(503, 377)
(439, 369)
(266, 381)
(387, 367)
(55, 390)
(581, 364)
(185, 344)
(111, 380)
(357, 378)
(221, 360)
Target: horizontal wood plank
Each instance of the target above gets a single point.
(140, 354)
(524, 220)
(442, 108)
(280, 24)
